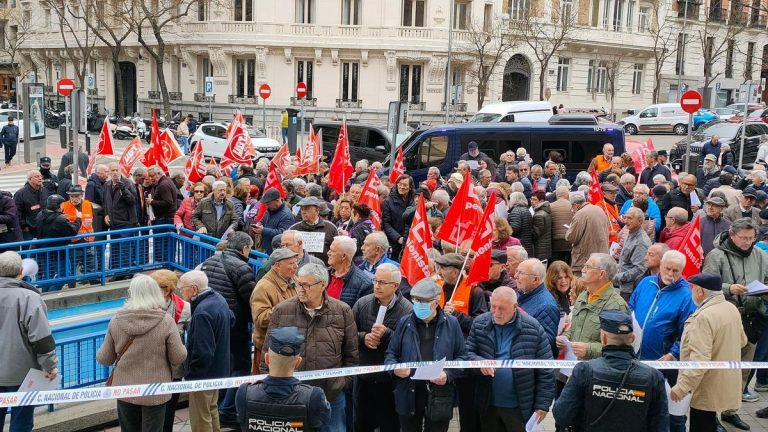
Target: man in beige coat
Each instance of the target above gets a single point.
(588, 232)
(713, 333)
(561, 217)
(272, 289)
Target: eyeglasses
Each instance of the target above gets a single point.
(199, 192)
(526, 274)
(689, 184)
(587, 267)
(750, 239)
(381, 282)
(187, 286)
(304, 287)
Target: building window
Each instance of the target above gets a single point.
(642, 22)
(708, 48)
(563, 69)
(305, 74)
(606, 14)
(410, 83)
(457, 86)
(349, 80)
(729, 59)
(488, 18)
(245, 83)
(630, 15)
(305, 11)
(202, 10)
(413, 13)
(243, 10)
(47, 17)
(206, 70)
(618, 13)
(637, 78)
(596, 77)
(594, 17)
(750, 60)
(566, 10)
(680, 59)
(350, 12)
(461, 15)
(519, 9)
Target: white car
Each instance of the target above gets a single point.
(18, 120)
(725, 113)
(213, 136)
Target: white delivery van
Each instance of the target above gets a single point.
(666, 117)
(514, 112)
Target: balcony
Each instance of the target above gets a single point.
(456, 107)
(93, 92)
(312, 102)
(417, 106)
(758, 21)
(153, 95)
(349, 103)
(174, 96)
(717, 14)
(738, 18)
(243, 100)
(200, 97)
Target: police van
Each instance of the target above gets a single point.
(577, 141)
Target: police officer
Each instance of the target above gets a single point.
(614, 391)
(280, 401)
(50, 181)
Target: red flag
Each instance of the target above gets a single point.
(194, 169)
(239, 147)
(309, 161)
(170, 147)
(298, 153)
(415, 262)
(273, 181)
(131, 154)
(282, 158)
(370, 197)
(691, 248)
(237, 119)
(464, 216)
(341, 168)
(154, 154)
(398, 169)
(595, 191)
(482, 245)
(106, 145)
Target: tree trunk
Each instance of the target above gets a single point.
(163, 87)
(656, 86)
(542, 79)
(119, 103)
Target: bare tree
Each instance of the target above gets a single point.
(546, 37)
(486, 47)
(716, 38)
(615, 70)
(77, 37)
(16, 30)
(664, 39)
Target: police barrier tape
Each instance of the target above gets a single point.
(154, 389)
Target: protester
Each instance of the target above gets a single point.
(215, 214)
(277, 219)
(183, 216)
(625, 193)
(521, 221)
(497, 275)
(143, 344)
(163, 199)
(602, 161)
(54, 223)
(315, 226)
(712, 222)
(558, 281)
(678, 226)
(685, 196)
(374, 252)
(535, 299)
(94, 189)
(30, 201)
(561, 220)
(515, 255)
(294, 240)
(348, 283)
(392, 210)
(10, 231)
(653, 169)
(588, 232)
(746, 207)
(633, 253)
(542, 226)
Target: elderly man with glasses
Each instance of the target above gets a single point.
(684, 196)
(642, 191)
(535, 299)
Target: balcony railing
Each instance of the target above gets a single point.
(456, 107)
(93, 92)
(303, 101)
(417, 106)
(350, 103)
(201, 97)
(153, 94)
(235, 99)
(174, 96)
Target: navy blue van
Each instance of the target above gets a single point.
(443, 145)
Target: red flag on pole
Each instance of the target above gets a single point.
(239, 148)
(370, 197)
(464, 216)
(595, 191)
(131, 154)
(194, 169)
(282, 158)
(691, 248)
(415, 262)
(398, 169)
(273, 182)
(341, 168)
(105, 147)
(154, 154)
(482, 245)
(309, 162)
(171, 149)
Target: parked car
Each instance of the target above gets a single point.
(703, 116)
(18, 116)
(756, 115)
(666, 117)
(739, 107)
(514, 112)
(213, 136)
(370, 142)
(725, 113)
(729, 133)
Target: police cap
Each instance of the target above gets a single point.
(286, 341)
(616, 322)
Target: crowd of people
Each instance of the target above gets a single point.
(567, 277)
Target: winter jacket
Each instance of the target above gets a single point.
(561, 216)
(270, 291)
(661, 313)
(585, 319)
(404, 346)
(710, 229)
(24, 332)
(155, 351)
(677, 198)
(393, 222)
(274, 223)
(322, 226)
(541, 306)
(64, 185)
(542, 231)
(357, 283)
(623, 196)
(535, 388)
(230, 275)
(477, 306)
(503, 280)
(9, 217)
(9, 135)
(205, 216)
(69, 159)
(588, 234)
(673, 237)
(509, 242)
(730, 193)
(359, 231)
(208, 337)
(330, 339)
(653, 211)
(702, 178)
(710, 148)
(184, 213)
(120, 204)
(735, 213)
(646, 177)
(521, 221)
(712, 333)
(365, 312)
(164, 198)
(50, 181)
(94, 190)
(56, 225)
(29, 202)
(632, 260)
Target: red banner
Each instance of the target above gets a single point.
(637, 149)
(131, 154)
(595, 191)
(370, 197)
(195, 167)
(282, 158)
(482, 245)
(691, 248)
(341, 168)
(463, 218)
(398, 169)
(239, 148)
(154, 154)
(415, 262)
(309, 160)
(171, 149)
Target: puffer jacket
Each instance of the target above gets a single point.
(585, 322)
(274, 223)
(357, 283)
(156, 350)
(535, 388)
(365, 311)
(542, 306)
(204, 216)
(330, 339)
(542, 231)
(231, 276)
(322, 226)
(404, 346)
(521, 221)
(393, 220)
(208, 337)
(9, 218)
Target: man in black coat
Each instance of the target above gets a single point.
(30, 200)
(682, 197)
(54, 224)
(10, 232)
(119, 213)
(94, 189)
(69, 159)
(50, 181)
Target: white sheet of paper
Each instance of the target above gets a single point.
(473, 164)
(638, 331)
(561, 324)
(679, 408)
(430, 371)
(569, 355)
(756, 288)
(314, 242)
(612, 249)
(695, 201)
(380, 315)
(36, 381)
(567, 226)
(533, 425)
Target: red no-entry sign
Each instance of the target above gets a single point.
(65, 86)
(265, 91)
(691, 101)
(301, 90)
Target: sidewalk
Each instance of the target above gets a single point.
(53, 150)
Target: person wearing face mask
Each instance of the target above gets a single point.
(713, 389)
(661, 305)
(50, 180)
(427, 334)
(739, 262)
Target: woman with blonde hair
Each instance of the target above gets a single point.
(342, 214)
(502, 234)
(143, 344)
(558, 281)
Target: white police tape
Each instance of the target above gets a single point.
(156, 389)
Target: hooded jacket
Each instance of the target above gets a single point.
(674, 237)
(55, 224)
(542, 231)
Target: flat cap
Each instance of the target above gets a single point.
(708, 281)
(309, 201)
(616, 322)
(750, 192)
(716, 200)
(280, 254)
(270, 195)
(450, 260)
(710, 157)
(499, 256)
(286, 341)
(609, 187)
(425, 289)
(75, 190)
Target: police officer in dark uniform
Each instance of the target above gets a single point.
(280, 401)
(50, 181)
(614, 392)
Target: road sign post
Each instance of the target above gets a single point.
(301, 93)
(265, 92)
(690, 102)
(209, 89)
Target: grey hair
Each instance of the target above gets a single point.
(626, 178)
(140, 171)
(480, 192)
(394, 272)
(518, 198)
(577, 198)
(548, 163)
(100, 167)
(635, 213)
(433, 254)
(538, 268)
(379, 239)
(218, 183)
(742, 224)
(434, 168)
(562, 191)
(441, 197)
(239, 241)
(659, 178)
(761, 174)
(517, 187)
(521, 151)
(536, 168)
(519, 252)
(32, 173)
(317, 271)
(299, 183)
(679, 214)
(10, 264)
(674, 256)
(144, 294)
(195, 277)
(642, 187)
(362, 163)
(297, 236)
(505, 291)
(563, 183)
(347, 244)
(315, 190)
(583, 178)
(155, 169)
(605, 263)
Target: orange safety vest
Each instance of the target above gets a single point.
(601, 164)
(86, 217)
(612, 212)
